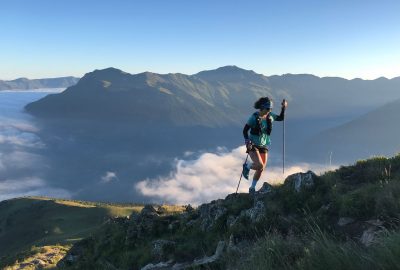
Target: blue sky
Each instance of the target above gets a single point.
(350, 39)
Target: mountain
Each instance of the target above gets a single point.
(25, 84)
(342, 219)
(374, 133)
(214, 98)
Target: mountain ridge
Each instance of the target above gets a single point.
(27, 84)
(220, 97)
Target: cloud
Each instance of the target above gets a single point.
(109, 177)
(212, 176)
(19, 160)
(29, 186)
(19, 134)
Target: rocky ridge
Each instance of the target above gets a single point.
(208, 235)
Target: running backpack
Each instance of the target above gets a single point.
(257, 129)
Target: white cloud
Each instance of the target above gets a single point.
(109, 177)
(212, 176)
(18, 160)
(19, 134)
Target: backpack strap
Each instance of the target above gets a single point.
(256, 130)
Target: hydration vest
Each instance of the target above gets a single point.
(257, 130)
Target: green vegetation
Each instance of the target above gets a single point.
(347, 219)
(45, 257)
(27, 223)
(295, 230)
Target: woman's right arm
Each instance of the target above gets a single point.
(245, 132)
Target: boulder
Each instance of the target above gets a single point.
(256, 213)
(203, 262)
(301, 181)
(343, 221)
(210, 213)
(208, 260)
(161, 247)
(369, 235)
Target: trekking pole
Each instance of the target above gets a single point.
(283, 144)
(241, 174)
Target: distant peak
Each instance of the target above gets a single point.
(106, 74)
(229, 68)
(233, 67)
(230, 73)
(109, 70)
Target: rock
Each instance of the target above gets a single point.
(232, 244)
(174, 225)
(148, 210)
(231, 220)
(141, 225)
(38, 262)
(301, 180)
(375, 226)
(256, 213)
(375, 222)
(160, 247)
(210, 213)
(207, 260)
(189, 265)
(161, 210)
(76, 252)
(266, 188)
(368, 237)
(343, 221)
(189, 208)
(161, 265)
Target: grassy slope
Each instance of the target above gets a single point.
(38, 221)
(299, 230)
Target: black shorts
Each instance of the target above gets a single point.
(261, 149)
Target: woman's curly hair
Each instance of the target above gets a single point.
(260, 101)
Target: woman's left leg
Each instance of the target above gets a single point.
(264, 158)
(257, 174)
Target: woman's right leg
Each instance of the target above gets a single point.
(255, 156)
(258, 166)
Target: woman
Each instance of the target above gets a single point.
(260, 126)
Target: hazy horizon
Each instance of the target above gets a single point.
(172, 72)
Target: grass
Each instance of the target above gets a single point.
(40, 221)
(45, 257)
(299, 229)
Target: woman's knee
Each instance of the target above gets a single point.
(258, 166)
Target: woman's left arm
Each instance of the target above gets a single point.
(281, 117)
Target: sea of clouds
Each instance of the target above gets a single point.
(212, 176)
(21, 167)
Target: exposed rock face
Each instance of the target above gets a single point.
(343, 221)
(166, 236)
(202, 262)
(265, 189)
(374, 227)
(256, 213)
(160, 247)
(301, 181)
(210, 213)
(142, 224)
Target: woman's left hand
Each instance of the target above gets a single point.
(284, 103)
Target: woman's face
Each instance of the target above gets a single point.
(264, 111)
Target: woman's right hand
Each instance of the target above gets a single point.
(249, 145)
